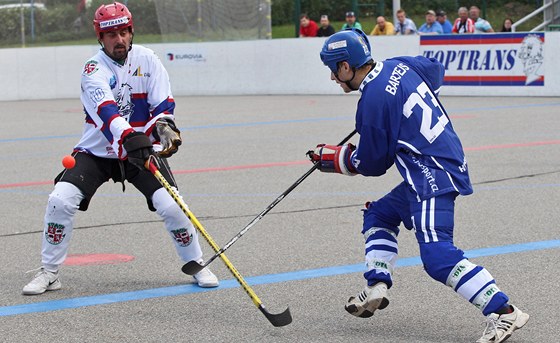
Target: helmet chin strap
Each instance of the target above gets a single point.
(348, 82)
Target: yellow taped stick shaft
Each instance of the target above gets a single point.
(206, 236)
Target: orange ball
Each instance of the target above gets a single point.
(68, 162)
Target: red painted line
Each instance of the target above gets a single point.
(26, 184)
(248, 166)
(96, 259)
(462, 116)
(292, 163)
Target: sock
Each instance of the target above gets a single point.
(505, 310)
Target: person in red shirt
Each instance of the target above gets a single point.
(463, 24)
(307, 27)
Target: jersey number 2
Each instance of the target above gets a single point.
(417, 102)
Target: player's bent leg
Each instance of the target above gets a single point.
(62, 205)
(183, 233)
(381, 256)
(380, 232)
(447, 264)
(475, 284)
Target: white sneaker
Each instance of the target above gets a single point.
(42, 282)
(205, 278)
(500, 327)
(367, 301)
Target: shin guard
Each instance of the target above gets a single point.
(180, 228)
(63, 203)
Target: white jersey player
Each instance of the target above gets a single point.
(401, 121)
(129, 118)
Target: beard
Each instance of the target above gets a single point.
(118, 53)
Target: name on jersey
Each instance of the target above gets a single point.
(395, 79)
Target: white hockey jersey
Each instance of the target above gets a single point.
(120, 98)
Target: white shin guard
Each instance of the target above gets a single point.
(63, 203)
(180, 228)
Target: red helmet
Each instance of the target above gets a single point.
(112, 17)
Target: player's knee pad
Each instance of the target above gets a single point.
(168, 209)
(374, 218)
(439, 258)
(64, 199)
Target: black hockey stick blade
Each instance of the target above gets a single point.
(280, 319)
(192, 267)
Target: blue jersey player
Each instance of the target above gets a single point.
(401, 121)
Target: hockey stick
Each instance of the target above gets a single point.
(193, 267)
(280, 319)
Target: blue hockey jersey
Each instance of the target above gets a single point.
(401, 121)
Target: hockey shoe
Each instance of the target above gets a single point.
(205, 278)
(42, 282)
(367, 301)
(500, 327)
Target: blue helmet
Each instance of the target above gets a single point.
(349, 45)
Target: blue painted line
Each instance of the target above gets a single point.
(55, 305)
(279, 122)
(37, 138)
(273, 122)
(193, 128)
(296, 195)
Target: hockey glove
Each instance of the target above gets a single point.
(138, 147)
(168, 135)
(333, 159)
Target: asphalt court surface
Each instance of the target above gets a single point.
(239, 154)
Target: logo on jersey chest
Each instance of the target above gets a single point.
(55, 233)
(138, 72)
(126, 107)
(182, 236)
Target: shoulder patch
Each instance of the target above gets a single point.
(90, 68)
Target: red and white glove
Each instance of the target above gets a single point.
(333, 159)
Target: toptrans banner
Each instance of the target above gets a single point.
(503, 59)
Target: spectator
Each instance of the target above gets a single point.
(506, 26)
(463, 24)
(405, 26)
(307, 27)
(383, 28)
(480, 25)
(441, 18)
(431, 26)
(351, 22)
(326, 28)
